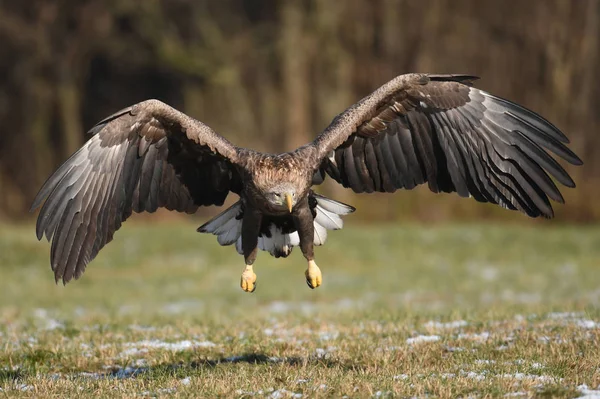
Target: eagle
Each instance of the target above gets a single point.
(416, 129)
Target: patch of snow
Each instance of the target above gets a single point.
(158, 392)
(423, 338)
(173, 346)
(584, 323)
(445, 326)
(24, 387)
(91, 376)
(530, 377)
(324, 353)
(472, 375)
(46, 322)
(454, 349)
(483, 336)
(576, 318)
(133, 352)
(485, 361)
(401, 377)
(284, 393)
(328, 335)
(515, 394)
(186, 381)
(135, 327)
(128, 372)
(564, 315)
(587, 393)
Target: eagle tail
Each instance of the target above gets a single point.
(276, 238)
(328, 216)
(227, 225)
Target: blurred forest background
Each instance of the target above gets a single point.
(271, 74)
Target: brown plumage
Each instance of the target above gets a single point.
(415, 129)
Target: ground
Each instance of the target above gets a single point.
(427, 311)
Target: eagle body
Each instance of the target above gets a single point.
(416, 129)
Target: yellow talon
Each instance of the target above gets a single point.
(248, 282)
(314, 278)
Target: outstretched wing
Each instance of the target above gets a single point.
(141, 158)
(438, 129)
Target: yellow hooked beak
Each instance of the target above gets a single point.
(288, 201)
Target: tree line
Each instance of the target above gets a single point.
(271, 74)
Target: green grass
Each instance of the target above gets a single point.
(480, 301)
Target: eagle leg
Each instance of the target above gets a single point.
(314, 278)
(250, 230)
(304, 221)
(248, 282)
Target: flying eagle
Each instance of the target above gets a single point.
(415, 129)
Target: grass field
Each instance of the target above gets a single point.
(447, 311)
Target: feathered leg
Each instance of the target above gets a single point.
(250, 229)
(303, 220)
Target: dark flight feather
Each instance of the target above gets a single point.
(439, 129)
(139, 159)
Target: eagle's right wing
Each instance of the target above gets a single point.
(437, 129)
(141, 158)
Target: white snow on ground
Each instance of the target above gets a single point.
(564, 315)
(423, 338)
(575, 318)
(141, 347)
(479, 376)
(584, 323)
(174, 346)
(445, 326)
(284, 393)
(135, 327)
(270, 393)
(46, 322)
(186, 381)
(325, 353)
(483, 336)
(587, 393)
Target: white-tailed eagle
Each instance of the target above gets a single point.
(416, 129)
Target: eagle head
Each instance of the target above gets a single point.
(282, 196)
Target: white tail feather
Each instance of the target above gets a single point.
(225, 226)
(333, 206)
(230, 213)
(329, 220)
(228, 228)
(320, 234)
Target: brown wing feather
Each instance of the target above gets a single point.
(438, 129)
(139, 159)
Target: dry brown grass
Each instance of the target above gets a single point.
(455, 311)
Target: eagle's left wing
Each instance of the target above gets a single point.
(144, 157)
(438, 129)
